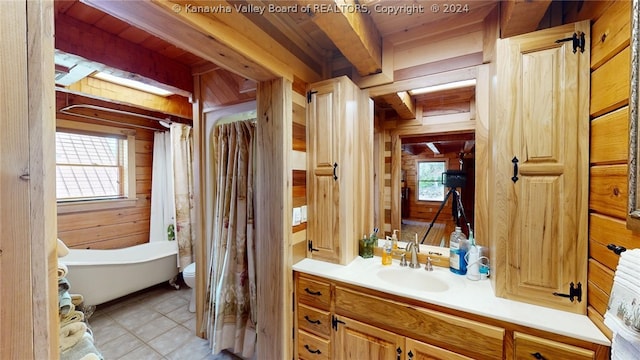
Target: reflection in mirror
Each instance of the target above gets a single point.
(633, 215)
(436, 138)
(437, 189)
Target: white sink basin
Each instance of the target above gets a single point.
(414, 279)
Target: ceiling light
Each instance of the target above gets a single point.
(132, 84)
(441, 87)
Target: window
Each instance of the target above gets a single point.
(430, 187)
(94, 163)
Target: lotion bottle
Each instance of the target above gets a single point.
(386, 252)
(473, 259)
(394, 240)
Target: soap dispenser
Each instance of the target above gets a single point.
(394, 240)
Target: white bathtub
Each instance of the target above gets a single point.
(103, 275)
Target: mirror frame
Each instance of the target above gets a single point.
(633, 212)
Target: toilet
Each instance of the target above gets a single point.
(189, 277)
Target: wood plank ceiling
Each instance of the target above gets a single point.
(90, 33)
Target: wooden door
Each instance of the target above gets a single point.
(323, 197)
(417, 350)
(541, 154)
(356, 341)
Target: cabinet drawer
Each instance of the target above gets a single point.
(314, 293)
(526, 346)
(443, 330)
(314, 320)
(312, 347)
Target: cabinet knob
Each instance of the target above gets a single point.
(538, 356)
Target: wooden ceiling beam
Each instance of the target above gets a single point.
(353, 32)
(402, 103)
(94, 44)
(66, 98)
(521, 16)
(231, 47)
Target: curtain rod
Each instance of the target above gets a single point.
(66, 110)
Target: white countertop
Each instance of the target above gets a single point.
(474, 297)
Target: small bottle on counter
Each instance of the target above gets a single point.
(394, 240)
(386, 252)
(473, 259)
(458, 246)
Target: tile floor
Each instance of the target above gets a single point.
(148, 325)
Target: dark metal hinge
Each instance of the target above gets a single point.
(335, 322)
(574, 292)
(577, 39)
(309, 93)
(311, 248)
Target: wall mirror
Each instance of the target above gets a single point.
(450, 130)
(633, 213)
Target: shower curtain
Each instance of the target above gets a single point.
(230, 317)
(162, 222)
(172, 208)
(182, 150)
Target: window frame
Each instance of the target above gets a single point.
(446, 167)
(130, 197)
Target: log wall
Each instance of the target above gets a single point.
(608, 192)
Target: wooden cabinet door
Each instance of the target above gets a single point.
(417, 350)
(323, 115)
(356, 341)
(540, 157)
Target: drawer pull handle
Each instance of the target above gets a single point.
(315, 293)
(538, 356)
(317, 351)
(306, 317)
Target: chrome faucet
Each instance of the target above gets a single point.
(413, 248)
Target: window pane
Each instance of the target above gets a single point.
(430, 187)
(87, 166)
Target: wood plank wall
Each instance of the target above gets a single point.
(299, 169)
(115, 228)
(610, 33)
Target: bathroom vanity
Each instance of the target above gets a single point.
(365, 310)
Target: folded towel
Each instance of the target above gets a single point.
(64, 303)
(77, 299)
(71, 317)
(623, 311)
(623, 349)
(91, 356)
(82, 349)
(63, 285)
(62, 270)
(71, 333)
(629, 268)
(62, 249)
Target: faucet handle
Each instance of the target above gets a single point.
(403, 259)
(428, 266)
